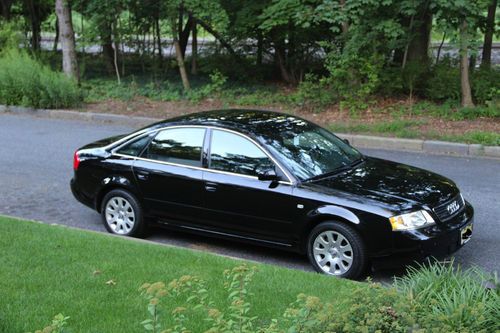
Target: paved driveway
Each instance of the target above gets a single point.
(36, 166)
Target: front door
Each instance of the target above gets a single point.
(236, 200)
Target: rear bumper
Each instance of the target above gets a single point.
(438, 241)
(79, 195)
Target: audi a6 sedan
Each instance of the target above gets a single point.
(272, 179)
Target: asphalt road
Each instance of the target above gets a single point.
(36, 166)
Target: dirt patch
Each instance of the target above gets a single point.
(144, 107)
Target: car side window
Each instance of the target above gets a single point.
(135, 147)
(177, 145)
(233, 153)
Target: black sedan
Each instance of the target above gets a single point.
(272, 179)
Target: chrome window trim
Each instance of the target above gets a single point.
(145, 132)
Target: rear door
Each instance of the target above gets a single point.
(236, 200)
(169, 174)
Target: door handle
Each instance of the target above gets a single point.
(211, 187)
(142, 175)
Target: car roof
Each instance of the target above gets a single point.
(255, 122)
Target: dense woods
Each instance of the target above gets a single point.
(347, 49)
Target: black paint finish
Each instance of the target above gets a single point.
(278, 212)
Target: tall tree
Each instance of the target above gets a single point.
(67, 36)
(180, 58)
(420, 30)
(5, 8)
(488, 34)
(464, 65)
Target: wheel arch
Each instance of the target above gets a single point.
(326, 214)
(112, 183)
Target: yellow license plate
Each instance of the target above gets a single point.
(465, 234)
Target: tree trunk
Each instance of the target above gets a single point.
(345, 24)
(184, 35)
(488, 35)
(440, 47)
(115, 53)
(194, 49)
(33, 10)
(418, 49)
(56, 39)
(179, 57)
(464, 66)
(5, 8)
(158, 38)
(281, 62)
(67, 35)
(107, 47)
(220, 38)
(260, 49)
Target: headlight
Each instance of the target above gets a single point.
(411, 221)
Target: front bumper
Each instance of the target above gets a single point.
(438, 241)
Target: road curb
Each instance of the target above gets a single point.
(360, 141)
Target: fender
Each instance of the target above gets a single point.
(114, 181)
(334, 211)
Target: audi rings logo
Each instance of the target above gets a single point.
(453, 207)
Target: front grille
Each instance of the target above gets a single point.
(450, 209)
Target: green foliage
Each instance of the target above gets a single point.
(479, 137)
(486, 87)
(212, 89)
(374, 309)
(9, 35)
(444, 81)
(398, 128)
(452, 299)
(315, 93)
(24, 81)
(353, 78)
(57, 326)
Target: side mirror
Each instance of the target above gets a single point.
(268, 174)
(346, 141)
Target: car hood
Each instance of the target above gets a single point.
(395, 186)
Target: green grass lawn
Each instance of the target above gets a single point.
(46, 270)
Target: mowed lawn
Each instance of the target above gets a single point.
(94, 279)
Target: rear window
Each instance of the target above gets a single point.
(135, 147)
(177, 145)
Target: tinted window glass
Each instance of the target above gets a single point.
(135, 147)
(233, 153)
(177, 145)
(308, 150)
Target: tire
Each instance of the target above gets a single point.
(122, 214)
(335, 248)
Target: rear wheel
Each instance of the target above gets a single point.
(122, 214)
(335, 248)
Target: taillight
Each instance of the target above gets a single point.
(76, 161)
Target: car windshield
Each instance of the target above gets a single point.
(310, 151)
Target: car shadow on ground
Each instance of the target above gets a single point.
(383, 272)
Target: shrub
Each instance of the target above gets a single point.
(314, 93)
(214, 88)
(24, 81)
(353, 78)
(451, 299)
(485, 88)
(371, 308)
(443, 82)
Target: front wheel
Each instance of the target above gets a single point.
(334, 248)
(122, 214)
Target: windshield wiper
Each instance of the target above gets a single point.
(337, 170)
